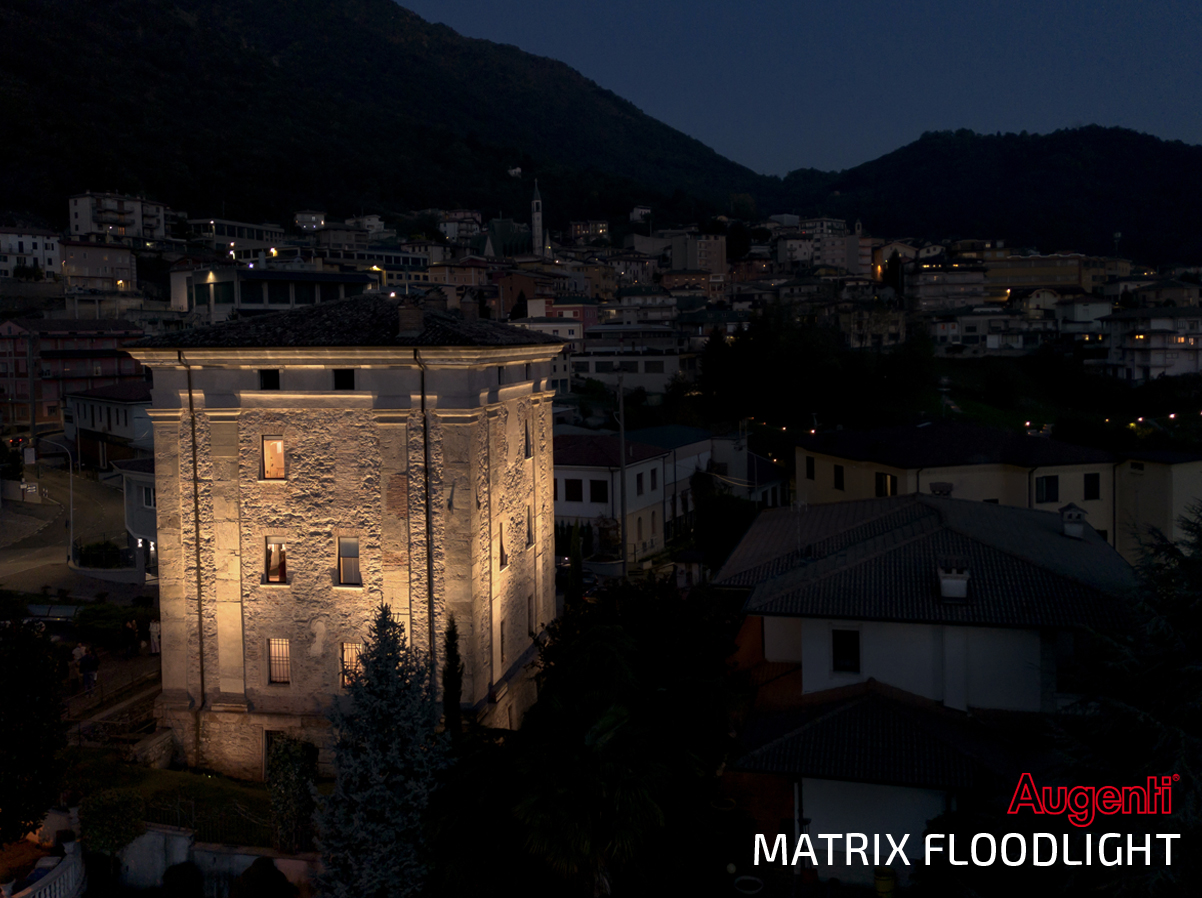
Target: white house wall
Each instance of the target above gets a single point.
(980, 667)
(841, 807)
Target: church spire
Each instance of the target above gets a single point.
(537, 239)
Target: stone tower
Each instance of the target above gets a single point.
(312, 464)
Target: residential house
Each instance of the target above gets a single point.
(310, 220)
(1155, 489)
(699, 252)
(42, 360)
(141, 512)
(117, 217)
(346, 454)
(690, 451)
(1143, 344)
(227, 236)
(893, 625)
(108, 267)
(588, 490)
(965, 461)
(28, 248)
(109, 424)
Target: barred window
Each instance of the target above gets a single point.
(350, 661)
(279, 661)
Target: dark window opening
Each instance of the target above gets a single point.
(845, 651)
(344, 378)
(269, 379)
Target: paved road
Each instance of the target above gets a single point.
(39, 561)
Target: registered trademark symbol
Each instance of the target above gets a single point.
(1176, 776)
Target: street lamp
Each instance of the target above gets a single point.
(71, 492)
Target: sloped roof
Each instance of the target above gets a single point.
(127, 391)
(873, 733)
(580, 450)
(76, 325)
(877, 559)
(669, 436)
(945, 444)
(359, 321)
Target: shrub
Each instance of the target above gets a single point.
(112, 819)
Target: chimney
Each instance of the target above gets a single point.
(470, 307)
(1072, 521)
(953, 578)
(435, 301)
(412, 320)
(942, 489)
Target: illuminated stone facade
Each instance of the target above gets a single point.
(444, 431)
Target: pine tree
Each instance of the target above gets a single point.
(452, 680)
(387, 757)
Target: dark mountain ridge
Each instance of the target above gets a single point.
(254, 110)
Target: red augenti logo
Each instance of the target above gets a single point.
(1082, 803)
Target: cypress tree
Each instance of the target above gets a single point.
(387, 757)
(452, 680)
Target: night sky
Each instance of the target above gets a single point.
(785, 84)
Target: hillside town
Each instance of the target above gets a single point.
(245, 437)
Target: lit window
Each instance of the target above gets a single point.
(348, 561)
(276, 571)
(350, 661)
(279, 661)
(273, 458)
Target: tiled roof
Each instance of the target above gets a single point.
(669, 436)
(128, 391)
(77, 325)
(135, 465)
(877, 559)
(876, 734)
(945, 444)
(359, 321)
(600, 451)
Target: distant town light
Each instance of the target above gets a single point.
(1140, 420)
(1171, 417)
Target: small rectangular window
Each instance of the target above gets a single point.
(148, 497)
(501, 546)
(344, 378)
(1047, 489)
(1093, 486)
(348, 561)
(886, 484)
(555, 489)
(276, 570)
(273, 458)
(529, 526)
(809, 467)
(598, 491)
(269, 379)
(279, 661)
(530, 614)
(350, 661)
(838, 477)
(654, 480)
(638, 484)
(845, 651)
(573, 490)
